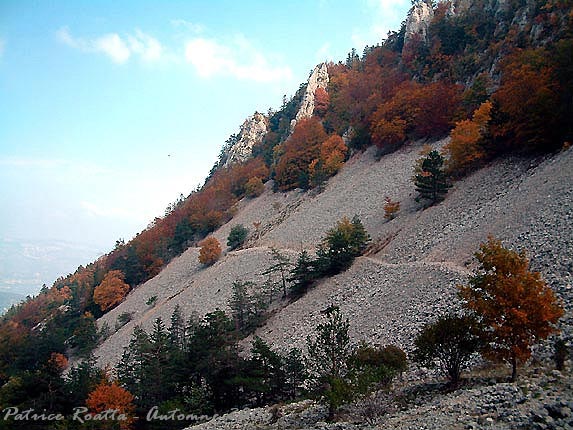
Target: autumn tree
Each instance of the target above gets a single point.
(431, 181)
(515, 305)
(111, 291)
(528, 102)
(301, 148)
(416, 110)
(391, 208)
(210, 251)
(466, 146)
(331, 158)
(110, 396)
(254, 187)
(321, 102)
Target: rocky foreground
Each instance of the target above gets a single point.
(541, 399)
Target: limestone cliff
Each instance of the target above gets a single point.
(252, 132)
(418, 21)
(318, 79)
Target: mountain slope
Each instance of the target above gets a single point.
(389, 294)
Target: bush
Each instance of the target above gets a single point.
(391, 208)
(122, 320)
(372, 367)
(254, 187)
(395, 358)
(210, 251)
(237, 236)
(451, 341)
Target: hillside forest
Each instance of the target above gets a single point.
(497, 87)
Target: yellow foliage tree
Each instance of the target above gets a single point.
(111, 291)
(332, 154)
(391, 208)
(210, 251)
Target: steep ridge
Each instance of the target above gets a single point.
(389, 295)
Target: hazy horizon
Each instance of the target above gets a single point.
(112, 110)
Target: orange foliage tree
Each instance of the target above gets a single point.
(321, 101)
(332, 154)
(331, 158)
(58, 362)
(210, 251)
(355, 93)
(415, 110)
(111, 397)
(528, 101)
(111, 291)
(465, 148)
(301, 148)
(515, 305)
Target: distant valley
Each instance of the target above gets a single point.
(25, 265)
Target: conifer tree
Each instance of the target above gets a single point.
(281, 264)
(341, 245)
(431, 181)
(302, 274)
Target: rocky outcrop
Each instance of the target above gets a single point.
(252, 132)
(318, 79)
(418, 21)
(459, 7)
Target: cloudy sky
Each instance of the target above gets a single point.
(111, 109)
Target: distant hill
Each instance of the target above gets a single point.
(8, 299)
(25, 265)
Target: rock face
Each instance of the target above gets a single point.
(318, 79)
(252, 132)
(459, 7)
(418, 21)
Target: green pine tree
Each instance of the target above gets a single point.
(302, 274)
(431, 181)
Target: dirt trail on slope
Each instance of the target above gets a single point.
(388, 295)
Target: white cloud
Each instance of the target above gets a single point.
(239, 59)
(146, 46)
(118, 49)
(113, 46)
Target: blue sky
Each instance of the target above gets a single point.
(110, 109)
